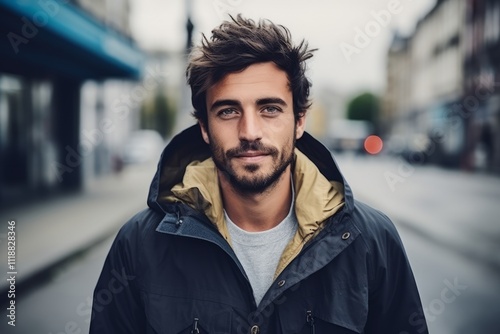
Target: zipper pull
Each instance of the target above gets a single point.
(179, 221)
(195, 329)
(310, 321)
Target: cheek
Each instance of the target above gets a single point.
(216, 142)
(224, 136)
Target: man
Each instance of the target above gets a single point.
(251, 228)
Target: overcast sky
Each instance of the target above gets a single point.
(344, 63)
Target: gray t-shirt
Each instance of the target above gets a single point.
(260, 252)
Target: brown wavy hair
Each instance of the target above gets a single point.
(239, 43)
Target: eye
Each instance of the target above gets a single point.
(227, 112)
(271, 109)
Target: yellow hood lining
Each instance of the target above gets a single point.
(316, 199)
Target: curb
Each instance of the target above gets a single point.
(46, 272)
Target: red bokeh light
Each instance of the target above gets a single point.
(373, 144)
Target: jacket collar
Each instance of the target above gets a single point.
(188, 148)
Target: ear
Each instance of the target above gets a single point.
(301, 126)
(204, 132)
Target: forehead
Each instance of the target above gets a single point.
(256, 81)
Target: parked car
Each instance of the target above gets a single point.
(142, 146)
(348, 135)
(414, 147)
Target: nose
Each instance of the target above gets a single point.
(250, 127)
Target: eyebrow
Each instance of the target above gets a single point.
(271, 100)
(221, 103)
(235, 103)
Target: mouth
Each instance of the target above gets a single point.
(251, 156)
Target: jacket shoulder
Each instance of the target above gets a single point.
(375, 226)
(140, 225)
(132, 236)
(395, 305)
(121, 274)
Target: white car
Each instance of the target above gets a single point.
(143, 146)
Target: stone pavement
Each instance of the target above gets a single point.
(51, 231)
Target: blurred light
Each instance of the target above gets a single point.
(373, 144)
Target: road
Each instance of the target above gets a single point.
(460, 292)
(473, 306)
(61, 304)
(449, 223)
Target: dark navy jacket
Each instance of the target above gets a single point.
(170, 270)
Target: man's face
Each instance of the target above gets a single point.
(251, 127)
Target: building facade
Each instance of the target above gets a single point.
(442, 98)
(481, 107)
(53, 52)
(396, 100)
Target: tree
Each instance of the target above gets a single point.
(158, 115)
(364, 107)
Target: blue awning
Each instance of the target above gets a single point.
(50, 37)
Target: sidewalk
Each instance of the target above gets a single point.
(48, 232)
(455, 209)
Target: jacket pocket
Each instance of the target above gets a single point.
(195, 328)
(317, 325)
(309, 323)
(340, 308)
(175, 315)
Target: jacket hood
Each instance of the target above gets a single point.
(186, 173)
(188, 147)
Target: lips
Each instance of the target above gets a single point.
(251, 157)
(251, 154)
(251, 151)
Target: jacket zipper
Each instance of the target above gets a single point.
(310, 321)
(203, 220)
(195, 329)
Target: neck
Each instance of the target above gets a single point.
(258, 212)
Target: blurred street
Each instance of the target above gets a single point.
(449, 224)
(90, 90)
(446, 220)
(51, 230)
(55, 242)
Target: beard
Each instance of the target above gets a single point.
(253, 181)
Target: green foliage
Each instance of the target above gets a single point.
(158, 115)
(364, 107)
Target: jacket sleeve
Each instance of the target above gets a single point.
(394, 301)
(116, 304)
